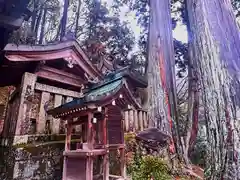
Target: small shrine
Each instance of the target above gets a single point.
(58, 83)
(99, 112)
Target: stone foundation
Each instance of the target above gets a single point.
(38, 159)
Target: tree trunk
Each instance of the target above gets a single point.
(215, 43)
(64, 19)
(34, 17)
(161, 90)
(37, 24)
(77, 17)
(41, 37)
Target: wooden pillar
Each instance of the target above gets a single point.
(106, 166)
(26, 91)
(56, 121)
(89, 170)
(90, 140)
(136, 128)
(131, 120)
(126, 120)
(105, 141)
(41, 123)
(123, 163)
(67, 148)
(68, 137)
(140, 116)
(145, 120)
(90, 131)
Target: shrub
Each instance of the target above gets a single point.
(147, 167)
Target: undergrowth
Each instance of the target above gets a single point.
(147, 167)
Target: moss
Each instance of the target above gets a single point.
(31, 145)
(129, 137)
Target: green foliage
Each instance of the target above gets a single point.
(181, 57)
(106, 35)
(147, 167)
(198, 154)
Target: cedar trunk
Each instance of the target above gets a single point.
(161, 90)
(215, 41)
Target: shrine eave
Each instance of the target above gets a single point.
(61, 50)
(116, 91)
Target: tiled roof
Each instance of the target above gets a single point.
(103, 92)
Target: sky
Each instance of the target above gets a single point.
(180, 32)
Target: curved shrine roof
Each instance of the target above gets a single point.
(27, 58)
(100, 95)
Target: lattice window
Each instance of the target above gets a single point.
(114, 124)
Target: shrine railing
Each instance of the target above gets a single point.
(135, 120)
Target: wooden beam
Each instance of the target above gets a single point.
(60, 72)
(85, 153)
(116, 146)
(59, 76)
(55, 90)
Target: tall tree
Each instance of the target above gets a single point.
(63, 23)
(162, 94)
(215, 41)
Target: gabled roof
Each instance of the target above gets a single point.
(36, 53)
(25, 58)
(100, 95)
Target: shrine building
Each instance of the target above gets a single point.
(58, 91)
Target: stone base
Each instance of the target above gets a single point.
(38, 159)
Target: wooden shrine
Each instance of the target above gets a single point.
(100, 113)
(57, 75)
(48, 76)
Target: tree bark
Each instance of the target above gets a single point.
(215, 40)
(77, 17)
(38, 20)
(161, 90)
(64, 19)
(41, 37)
